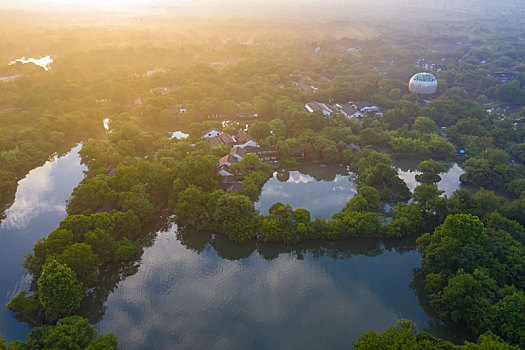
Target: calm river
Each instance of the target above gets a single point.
(38, 208)
(193, 291)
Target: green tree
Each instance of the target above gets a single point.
(508, 318)
(430, 171)
(58, 288)
(424, 125)
(90, 196)
(235, 215)
(278, 128)
(372, 196)
(260, 130)
(464, 299)
(407, 220)
(80, 258)
(195, 209)
(70, 333)
(283, 149)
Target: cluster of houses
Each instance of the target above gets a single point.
(349, 109)
(303, 82)
(429, 66)
(241, 144)
(241, 114)
(218, 138)
(504, 77)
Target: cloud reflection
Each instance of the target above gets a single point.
(180, 299)
(448, 184)
(41, 190)
(322, 197)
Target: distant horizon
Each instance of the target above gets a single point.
(154, 6)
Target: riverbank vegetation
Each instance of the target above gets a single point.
(138, 175)
(404, 335)
(72, 332)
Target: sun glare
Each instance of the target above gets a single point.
(43, 62)
(99, 5)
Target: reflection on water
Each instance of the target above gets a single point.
(186, 294)
(407, 170)
(43, 62)
(322, 189)
(10, 77)
(41, 191)
(179, 135)
(37, 210)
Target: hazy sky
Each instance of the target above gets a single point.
(134, 5)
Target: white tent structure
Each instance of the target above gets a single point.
(423, 83)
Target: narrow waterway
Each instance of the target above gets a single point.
(40, 204)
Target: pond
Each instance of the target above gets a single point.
(210, 293)
(407, 170)
(38, 208)
(43, 62)
(195, 290)
(321, 189)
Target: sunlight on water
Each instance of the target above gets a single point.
(43, 62)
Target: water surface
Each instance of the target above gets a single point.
(322, 189)
(407, 170)
(43, 62)
(38, 208)
(210, 293)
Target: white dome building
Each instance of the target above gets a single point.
(423, 83)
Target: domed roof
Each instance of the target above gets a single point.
(423, 83)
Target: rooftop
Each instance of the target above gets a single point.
(424, 77)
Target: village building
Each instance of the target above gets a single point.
(222, 139)
(504, 77)
(163, 90)
(152, 72)
(213, 132)
(214, 115)
(241, 136)
(297, 152)
(247, 114)
(229, 184)
(218, 138)
(228, 160)
(353, 147)
(366, 107)
(349, 110)
(302, 82)
(265, 154)
(429, 66)
(234, 187)
(174, 110)
(238, 152)
(327, 110)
